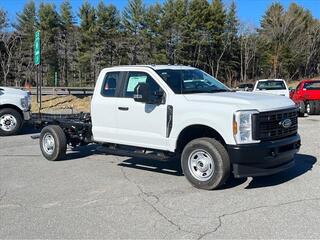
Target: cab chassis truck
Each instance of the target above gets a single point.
(164, 111)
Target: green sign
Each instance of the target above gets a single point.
(55, 79)
(37, 47)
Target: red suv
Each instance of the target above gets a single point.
(307, 96)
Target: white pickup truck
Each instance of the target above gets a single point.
(272, 86)
(15, 107)
(159, 112)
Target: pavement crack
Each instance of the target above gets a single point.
(3, 195)
(252, 209)
(144, 197)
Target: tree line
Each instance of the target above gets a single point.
(208, 35)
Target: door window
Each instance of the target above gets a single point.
(110, 83)
(134, 78)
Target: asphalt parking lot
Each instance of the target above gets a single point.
(91, 195)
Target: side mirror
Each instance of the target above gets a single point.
(142, 93)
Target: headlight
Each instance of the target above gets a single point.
(26, 102)
(242, 126)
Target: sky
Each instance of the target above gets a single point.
(249, 11)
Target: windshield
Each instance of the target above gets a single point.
(183, 81)
(315, 85)
(271, 85)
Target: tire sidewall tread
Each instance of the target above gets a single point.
(60, 142)
(313, 107)
(221, 161)
(19, 120)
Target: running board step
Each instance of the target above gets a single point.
(153, 155)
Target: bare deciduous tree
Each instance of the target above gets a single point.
(8, 42)
(248, 48)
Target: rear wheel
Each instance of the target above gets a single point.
(311, 108)
(302, 109)
(317, 107)
(53, 143)
(205, 163)
(10, 122)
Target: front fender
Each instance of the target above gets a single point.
(221, 123)
(11, 101)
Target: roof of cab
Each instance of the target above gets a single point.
(155, 67)
(274, 79)
(309, 80)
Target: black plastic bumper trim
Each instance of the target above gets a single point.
(264, 158)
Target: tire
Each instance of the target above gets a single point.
(311, 108)
(302, 109)
(10, 122)
(317, 108)
(213, 156)
(53, 143)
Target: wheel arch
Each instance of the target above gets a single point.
(194, 131)
(3, 106)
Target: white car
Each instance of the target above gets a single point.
(272, 86)
(15, 107)
(165, 111)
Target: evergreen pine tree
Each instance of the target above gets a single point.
(134, 26)
(26, 26)
(87, 45)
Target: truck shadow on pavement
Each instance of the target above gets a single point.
(171, 167)
(80, 152)
(303, 164)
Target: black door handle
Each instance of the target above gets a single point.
(123, 108)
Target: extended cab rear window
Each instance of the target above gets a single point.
(271, 85)
(110, 82)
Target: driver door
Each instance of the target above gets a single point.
(141, 124)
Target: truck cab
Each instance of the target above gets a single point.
(15, 107)
(184, 112)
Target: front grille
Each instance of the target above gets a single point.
(270, 125)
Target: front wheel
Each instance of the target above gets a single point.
(205, 163)
(53, 143)
(10, 122)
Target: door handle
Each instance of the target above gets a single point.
(123, 108)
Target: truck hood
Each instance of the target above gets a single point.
(243, 100)
(12, 91)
